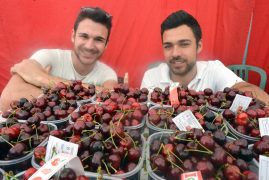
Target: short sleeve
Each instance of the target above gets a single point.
(110, 74)
(224, 77)
(44, 56)
(146, 82)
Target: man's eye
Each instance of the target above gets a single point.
(83, 36)
(99, 40)
(166, 46)
(185, 44)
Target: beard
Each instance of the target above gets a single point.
(80, 54)
(180, 71)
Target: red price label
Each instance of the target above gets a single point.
(195, 175)
(173, 97)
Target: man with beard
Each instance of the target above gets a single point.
(47, 67)
(182, 42)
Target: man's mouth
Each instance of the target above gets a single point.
(178, 61)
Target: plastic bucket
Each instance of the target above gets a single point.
(2, 174)
(159, 135)
(240, 135)
(22, 163)
(132, 175)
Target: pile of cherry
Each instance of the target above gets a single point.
(122, 93)
(244, 122)
(106, 149)
(55, 104)
(161, 117)
(19, 139)
(261, 147)
(64, 174)
(213, 154)
(108, 146)
(188, 97)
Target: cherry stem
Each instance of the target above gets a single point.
(99, 171)
(112, 168)
(108, 172)
(131, 139)
(172, 163)
(86, 158)
(196, 141)
(196, 150)
(7, 141)
(176, 156)
(178, 138)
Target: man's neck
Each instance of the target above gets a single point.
(80, 68)
(184, 80)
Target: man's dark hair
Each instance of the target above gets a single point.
(97, 15)
(182, 18)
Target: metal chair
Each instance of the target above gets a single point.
(242, 71)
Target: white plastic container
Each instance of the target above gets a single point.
(86, 101)
(22, 163)
(139, 127)
(215, 109)
(2, 173)
(154, 176)
(153, 129)
(132, 175)
(250, 139)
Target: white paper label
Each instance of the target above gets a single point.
(264, 126)
(55, 164)
(57, 146)
(242, 101)
(263, 167)
(186, 121)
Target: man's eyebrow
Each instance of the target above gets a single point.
(84, 34)
(96, 37)
(179, 41)
(184, 40)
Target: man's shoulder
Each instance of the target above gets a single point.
(210, 63)
(158, 68)
(51, 52)
(61, 51)
(103, 67)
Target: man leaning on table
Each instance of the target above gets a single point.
(182, 42)
(46, 67)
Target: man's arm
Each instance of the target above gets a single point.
(33, 73)
(16, 89)
(256, 91)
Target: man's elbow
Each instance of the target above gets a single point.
(5, 102)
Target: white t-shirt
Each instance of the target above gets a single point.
(62, 66)
(210, 74)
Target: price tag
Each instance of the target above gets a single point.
(173, 94)
(55, 164)
(186, 121)
(242, 101)
(263, 167)
(56, 146)
(195, 175)
(264, 126)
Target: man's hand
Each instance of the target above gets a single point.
(32, 72)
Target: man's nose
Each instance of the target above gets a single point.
(176, 51)
(89, 44)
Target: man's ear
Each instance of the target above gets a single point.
(199, 46)
(73, 36)
(106, 44)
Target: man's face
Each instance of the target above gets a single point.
(89, 41)
(180, 49)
